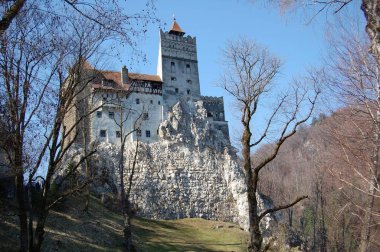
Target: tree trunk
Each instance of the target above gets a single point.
(22, 212)
(371, 9)
(256, 238)
(20, 193)
(127, 231)
(30, 207)
(10, 14)
(40, 231)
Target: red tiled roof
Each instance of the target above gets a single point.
(147, 77)
(116, 78)
(112, 75)
(176, 28)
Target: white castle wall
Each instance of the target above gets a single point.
(131, 107)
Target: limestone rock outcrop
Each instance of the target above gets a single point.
(191, 172)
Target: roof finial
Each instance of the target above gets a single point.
(174, 17)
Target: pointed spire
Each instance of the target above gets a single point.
(176, 29)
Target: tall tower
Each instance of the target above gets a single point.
(178, 66)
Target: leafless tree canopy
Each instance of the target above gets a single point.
(249, 77)
(44, 48)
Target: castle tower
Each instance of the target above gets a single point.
(178, 66)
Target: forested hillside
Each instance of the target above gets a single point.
(331, 162)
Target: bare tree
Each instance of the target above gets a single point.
(125, 115)
(248, 78)
(370, 8)
(353, 76)
(42, 62)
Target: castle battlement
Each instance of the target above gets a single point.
(188, 39)
(215, 99)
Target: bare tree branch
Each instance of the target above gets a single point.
(281, 207)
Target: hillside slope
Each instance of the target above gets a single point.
(331, 162)
(69, 229)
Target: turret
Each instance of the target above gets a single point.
(176, 30)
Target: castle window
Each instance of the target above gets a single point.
(176, 90)
(145, 116)
(172, 66)
(209, 114)
(118, 134)
(111, 114)
(187, 68)
(138, 132)
(188, 91)
(147, 133)
(137, 101)
(173, 78)
(103, 133)
(151, 101)
(99, 114)
(159, 103)
(189, 82)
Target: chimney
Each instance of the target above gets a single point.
(124, 75)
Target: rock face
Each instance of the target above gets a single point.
(191, 172)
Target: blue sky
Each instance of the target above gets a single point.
(213, 22)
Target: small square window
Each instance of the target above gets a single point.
(103, 133)
(118, 134)
(189, 82)
(188, 91)
(145, 116)
(138, 132)
(111, 114)
(137, 101)
(147, 133)
(176, 90)
(173, 78)
(99, 114)
(151, 101)
(159, 103)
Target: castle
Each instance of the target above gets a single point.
(186, 166)
(133, 102)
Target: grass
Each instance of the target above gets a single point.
(187, 235)
(70, 229)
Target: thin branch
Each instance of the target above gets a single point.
(281, 207)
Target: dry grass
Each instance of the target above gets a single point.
(70, 229)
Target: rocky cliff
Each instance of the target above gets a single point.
(192, 172)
